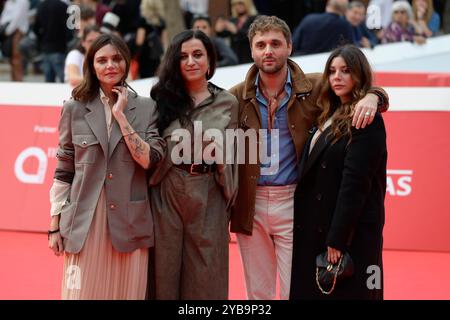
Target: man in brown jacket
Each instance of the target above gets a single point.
(277, 96)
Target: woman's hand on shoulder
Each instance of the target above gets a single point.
(365, 111)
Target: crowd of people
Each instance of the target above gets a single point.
(51, 34)
(43, 33)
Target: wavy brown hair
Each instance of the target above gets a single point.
(265, 23)
(342, 114)
(87, 90)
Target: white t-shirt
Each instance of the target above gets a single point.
(73, 57)
(195, 6)
(16, 14)
(384, 9)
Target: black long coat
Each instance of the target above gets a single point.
(339, 202)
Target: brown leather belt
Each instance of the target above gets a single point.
(201, 168)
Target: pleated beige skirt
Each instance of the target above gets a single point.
(99, 272)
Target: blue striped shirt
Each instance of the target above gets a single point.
(287, 164)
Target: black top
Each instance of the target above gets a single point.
(159, 28)
(321, 32)
(50, 26)
(152, 49)
(239, 41)
(129, 14)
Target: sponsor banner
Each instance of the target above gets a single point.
(28, 142)
(418, 176)
(411, 79)
(418, 181)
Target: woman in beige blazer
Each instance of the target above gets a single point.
(100, 210)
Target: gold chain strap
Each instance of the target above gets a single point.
(334, 279)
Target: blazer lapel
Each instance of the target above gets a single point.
(250, 116)
(305, 153)
(116, 133)
(321, 144)
(97, 122)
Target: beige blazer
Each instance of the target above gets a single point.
(88, 161)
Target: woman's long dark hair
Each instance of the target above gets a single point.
(87, 90)
(361, 74)
(172, 98)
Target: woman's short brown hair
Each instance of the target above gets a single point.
(268, 23)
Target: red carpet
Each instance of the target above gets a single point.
(28, 270)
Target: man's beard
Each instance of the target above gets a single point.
(276, 67)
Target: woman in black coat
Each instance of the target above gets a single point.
(339, 200)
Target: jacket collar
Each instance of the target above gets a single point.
(97, 121)
(214, 91)
(116, 133)
(300, 85)
(321, 144)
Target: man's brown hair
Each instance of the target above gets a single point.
(268, 23)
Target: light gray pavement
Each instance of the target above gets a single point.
(29, 77)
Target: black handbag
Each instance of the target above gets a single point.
(328, 274)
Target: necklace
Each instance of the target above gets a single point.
(272, 104)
